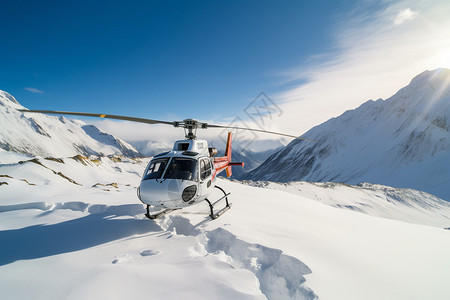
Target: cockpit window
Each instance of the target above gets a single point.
(156, 168)
(182, 168)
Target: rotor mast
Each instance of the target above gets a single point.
(190, 127)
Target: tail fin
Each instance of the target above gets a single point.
(225, 162)
(228, 154)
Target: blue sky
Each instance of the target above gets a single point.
(209, 59)
(186, 58)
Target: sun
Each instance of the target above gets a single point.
(442, 59)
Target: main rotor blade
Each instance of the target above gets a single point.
(150, 121)
(260, 130)
(125, 118)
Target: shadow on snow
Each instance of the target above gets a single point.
(97, 228)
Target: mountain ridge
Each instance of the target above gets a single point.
(43, 135)
(402, 142)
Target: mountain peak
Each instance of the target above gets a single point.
(6, 99)
(437, 75)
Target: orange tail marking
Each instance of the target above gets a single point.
(224, 162)
(228, 154)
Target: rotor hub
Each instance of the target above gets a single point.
(190, 127)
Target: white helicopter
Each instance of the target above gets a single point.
(184, 176)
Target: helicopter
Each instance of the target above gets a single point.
(187, 174)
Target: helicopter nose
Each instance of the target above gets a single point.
(152, 192)
(168, 193)
(176, 188)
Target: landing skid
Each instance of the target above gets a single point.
(214, 215)
(160, 214)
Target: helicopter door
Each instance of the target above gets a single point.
(205, 176)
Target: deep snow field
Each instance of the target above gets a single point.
(76, 230)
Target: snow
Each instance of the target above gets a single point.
(407, 205)
(62, 240)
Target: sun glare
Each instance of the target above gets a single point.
(443, 59)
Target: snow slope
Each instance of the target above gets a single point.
(405, 205)
(403, 141)
(53, 136)
(75, 230)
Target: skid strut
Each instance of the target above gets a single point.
(223, 210)
(157, 215)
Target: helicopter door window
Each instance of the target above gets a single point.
(156, 168)
(182, 168)
(205, 168)
(202, 169)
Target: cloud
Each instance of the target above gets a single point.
(405, 15)
(34, 90)
(372, 58)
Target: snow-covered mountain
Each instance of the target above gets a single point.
(403, 141)
(38, 134)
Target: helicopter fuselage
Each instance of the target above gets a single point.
(179, 178)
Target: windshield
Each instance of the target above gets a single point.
(156, 168)
(182, 168)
